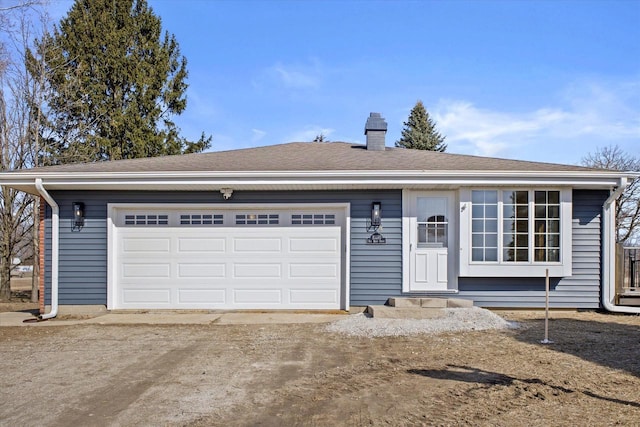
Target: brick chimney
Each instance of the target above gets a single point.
(375, 130)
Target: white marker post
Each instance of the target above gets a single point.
(546, 311)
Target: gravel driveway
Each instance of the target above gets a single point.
(303, 374)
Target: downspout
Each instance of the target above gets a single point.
(55, 238)
(609, 246)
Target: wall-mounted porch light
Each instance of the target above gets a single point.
(78, 214)
(376, 223)
(376, 214)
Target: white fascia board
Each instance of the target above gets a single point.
(256, 180)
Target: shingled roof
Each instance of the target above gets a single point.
(307, 156)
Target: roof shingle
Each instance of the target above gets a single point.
(308, 156)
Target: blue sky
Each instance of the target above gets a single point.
(533, 80)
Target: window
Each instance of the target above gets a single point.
(432, 222)
(515, 226)
(484, 226)
(257, 219)
(547, 226)
(517, 230)
(313, 219)
(201, 219)
(156, 219)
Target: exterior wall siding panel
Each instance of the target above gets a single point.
(376, 270)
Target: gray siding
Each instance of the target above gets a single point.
(376, 270)
(581, 290)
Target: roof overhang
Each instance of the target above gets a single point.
(315, 180)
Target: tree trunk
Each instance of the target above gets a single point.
(5, 270)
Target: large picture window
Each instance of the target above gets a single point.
(520, 228)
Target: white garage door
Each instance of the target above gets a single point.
(195, 259)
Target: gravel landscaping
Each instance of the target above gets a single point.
(456, 320)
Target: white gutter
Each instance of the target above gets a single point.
(55, 238)
(609, 249)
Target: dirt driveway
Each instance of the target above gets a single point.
(249, 375)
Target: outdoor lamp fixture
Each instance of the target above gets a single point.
(376, 214)
(376, 222)
(78, 214)
(226, 193)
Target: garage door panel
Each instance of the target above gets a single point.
(213, 270)
(149, 270)
(262, 270)
(257, 245)
(146, 245)
(273, 267)
(146, 296)
(257, 297)
(313, 271)
(311, 296)
(211, 245)
(202, 296)
(315, 245)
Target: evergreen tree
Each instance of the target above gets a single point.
(114, 82)
(420, 132)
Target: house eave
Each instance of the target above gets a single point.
(313, 180)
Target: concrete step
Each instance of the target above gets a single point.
(414, 302)
(387, 312)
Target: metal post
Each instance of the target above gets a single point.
(546, 310)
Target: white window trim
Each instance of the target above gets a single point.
(469, 268)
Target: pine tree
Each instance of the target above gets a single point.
(114, 82)
(420, 132)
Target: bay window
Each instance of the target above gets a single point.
(518, 232)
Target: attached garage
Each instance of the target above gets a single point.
(212, 257)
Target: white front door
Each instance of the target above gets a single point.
(431, 240)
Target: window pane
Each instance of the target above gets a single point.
(491, 196)
(540, 197)
(508, 226)
(491, 211)
(522, 226)
(508, 240)
(554, 241)
(491, 240)
(522, 240)
(477, 226)
(540, 255)
(541, 211)
(477, 197)
(477, 211)
(554, 212)
(508, 211)
(554, 255)
(491, 255)
(491, 226)
(509, 255)
(554, 197)
(477, 255)
(522, 197)
(554, 226)
(522, 255)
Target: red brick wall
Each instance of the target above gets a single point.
(43, 205)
